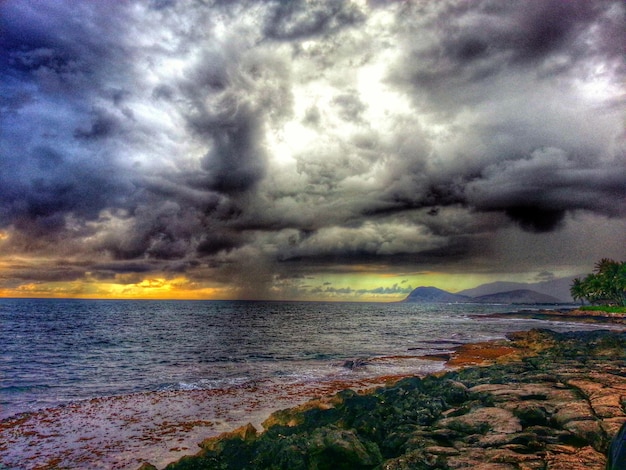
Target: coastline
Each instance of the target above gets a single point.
(546, 400)
(564, 314)
(123, 432)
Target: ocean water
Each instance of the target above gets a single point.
(53, 352)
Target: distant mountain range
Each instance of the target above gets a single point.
(487, 293)
(558, 288)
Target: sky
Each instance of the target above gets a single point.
(308, 149)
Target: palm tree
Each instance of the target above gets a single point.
(607, 284)
(621, 283)
(612, 277)
(577, 290)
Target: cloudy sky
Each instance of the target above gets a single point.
(313, 149)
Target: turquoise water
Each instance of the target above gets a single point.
(58, 351)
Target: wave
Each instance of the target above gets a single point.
(23, 388)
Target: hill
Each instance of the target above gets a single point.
(515, 296)
(558, 288)
(433, 294)
(519, 296)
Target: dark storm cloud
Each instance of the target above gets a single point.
(162, 230)
(464, 49)
(42, 185)
(509, 61)
(250, 141)
(545, 276)
(234, 91)
(235, 163)
(102, 125)
(50, 272)
(124, 267)
(62, 48)
(213, 244)
(537, 191)
(53, 67)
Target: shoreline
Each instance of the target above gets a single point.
(546, 400)
(564, 314)
(122, 432)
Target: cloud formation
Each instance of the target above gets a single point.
(257, 147)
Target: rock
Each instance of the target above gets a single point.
(441, 450)
(575, 410)
(495, 440)
(561, 449)
(353, 364)
(492, 419)
(585, 458)
(604, 401)
(480, 459)
(331, 448)
(244, 433)
(457, 385)
(416, 460)
(588, 431)
(531, 414)
(611, 426)
(516, 392)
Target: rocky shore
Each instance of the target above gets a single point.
(565, 314)
(541, 400)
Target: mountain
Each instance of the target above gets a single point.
(432, 294)
(515, 296)
(519, 296)
(558, 288)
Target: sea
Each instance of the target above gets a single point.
(57, 351)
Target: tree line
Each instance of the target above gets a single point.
(606, 285)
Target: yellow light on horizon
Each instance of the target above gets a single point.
(151, 288)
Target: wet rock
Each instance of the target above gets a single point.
(611, 426)
(244, 433)
(338, 448)
(354, 364)
(441, 450)
(531, 414)
(493, 419)
(575, 410)
(588, 431)
(584, 458)
(147, 466)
